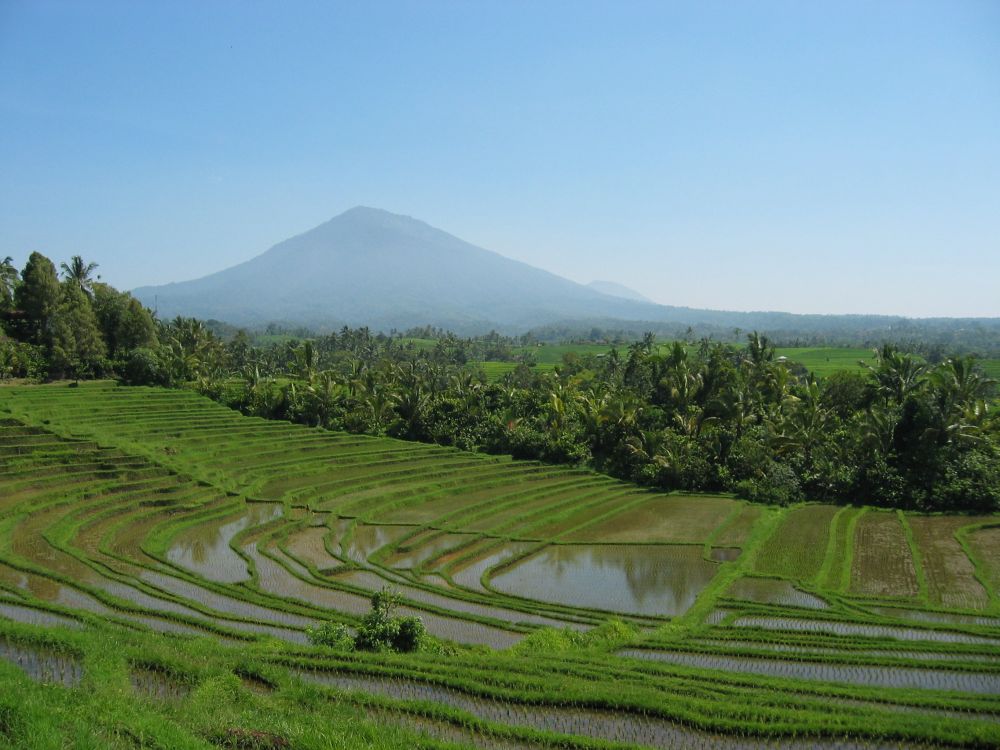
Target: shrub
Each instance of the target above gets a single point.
(381, 630)
(410, 634)
(332, 634)
(143, 366)
(779, 485)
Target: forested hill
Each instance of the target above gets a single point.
(372, 268)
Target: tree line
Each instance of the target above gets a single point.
(709, 416)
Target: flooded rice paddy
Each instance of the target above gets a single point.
(156, 684)
(773, 591)
(204, 548)
(837, 627)
(894, 677)
(41, 664)
(611, 726)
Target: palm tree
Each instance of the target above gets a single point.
(80, 273)
(897, 375)
(801, 424)
(8, 280)
(959, 383)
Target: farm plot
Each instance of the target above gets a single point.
(951, 579)
(883, 564)
(985, 546)
(773, 591)
(125, 511)
(797, 547)
(204, 548)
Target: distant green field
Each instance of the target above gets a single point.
(552, 354)
(991, 367)
(823, 361)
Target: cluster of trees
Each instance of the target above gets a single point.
(712, 417)
(73, 327)
(69, 324)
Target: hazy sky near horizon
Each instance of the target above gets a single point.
(838, 157)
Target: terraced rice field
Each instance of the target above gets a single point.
(580, 611)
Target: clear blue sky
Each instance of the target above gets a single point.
(803, 156)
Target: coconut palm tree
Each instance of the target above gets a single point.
(80, 273)
(897, 375)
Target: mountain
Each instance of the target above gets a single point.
(375, 268)
(614, 289)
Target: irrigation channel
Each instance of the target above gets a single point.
(567, 607)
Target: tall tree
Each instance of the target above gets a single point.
(37, 298)
(77, 346)
(124, 322)
(8, 282)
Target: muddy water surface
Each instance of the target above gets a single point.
(773, 591)
(851, 674)
(642, 580)
(204, 548)
(42, 665)
(632, 729)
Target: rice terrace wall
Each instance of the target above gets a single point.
(566, 608)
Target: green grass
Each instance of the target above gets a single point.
(824, 361)
(991, 367)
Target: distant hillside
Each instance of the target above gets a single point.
(617, 290)
(374, 268)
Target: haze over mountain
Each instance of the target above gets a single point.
(371, 267)
(383, 270)
(615, 289)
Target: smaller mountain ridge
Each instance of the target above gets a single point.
(614, 289)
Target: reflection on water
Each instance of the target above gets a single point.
(470, 573)
(204, 548)
(426, 549)
(366, 540)
(646, 580)
(275, 579)
(851, 674)
(611, 726)
(31, 616)
(945, 617)
(773, 591)
(41, 664)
